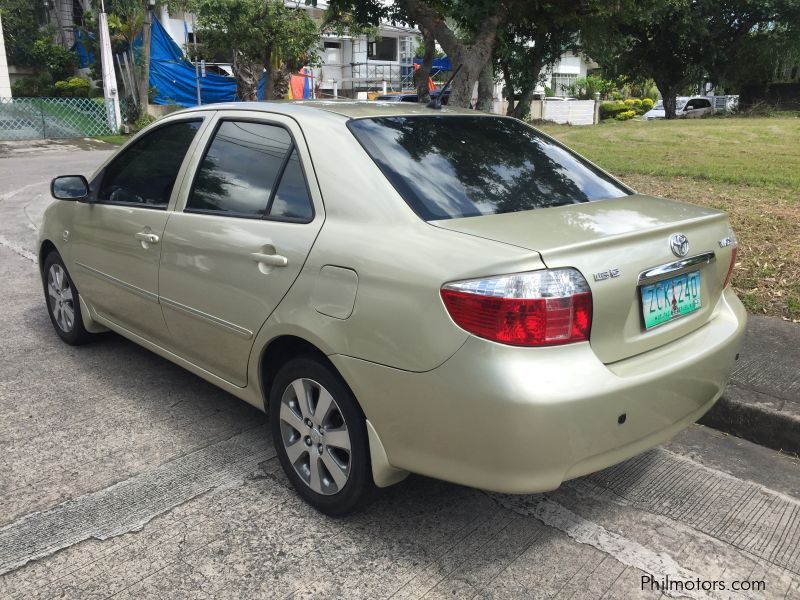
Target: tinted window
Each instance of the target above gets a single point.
(452, 166)
(240, 168)
(146, 172)
(291, 200)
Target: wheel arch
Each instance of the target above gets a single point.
(45, 248)
(283, 348)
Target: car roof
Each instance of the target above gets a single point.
(351, 109)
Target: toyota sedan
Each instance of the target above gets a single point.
(402, 289)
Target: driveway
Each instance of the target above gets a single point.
(122, 475)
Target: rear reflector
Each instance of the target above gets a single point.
(538, 308)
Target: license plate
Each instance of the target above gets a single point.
(670, 299)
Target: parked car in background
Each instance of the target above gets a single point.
(444, 292)
(685, 108)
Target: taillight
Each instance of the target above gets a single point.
(734, 251)
(537, 308)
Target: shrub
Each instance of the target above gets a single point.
(609, 110)
(143, 121)
(74, 87)
(31, 87)
(59, 61)
(625, 115)
(647, 104)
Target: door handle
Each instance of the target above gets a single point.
(150, 238)
(272, 260)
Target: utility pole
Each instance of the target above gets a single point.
(110, 91)
(196, 65)
(144, 80)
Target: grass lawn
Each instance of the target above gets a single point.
(749, 167)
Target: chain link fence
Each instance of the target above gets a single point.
(53, 118)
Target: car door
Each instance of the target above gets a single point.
(116, 237)
(246, 222)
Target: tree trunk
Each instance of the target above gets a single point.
(669, 94)
(269, 84)
(523, 109)
(509, 91)
(245, 74)
(471, 57)
(144, 80)
(423, 74)
(486, 88)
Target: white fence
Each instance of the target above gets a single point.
(572, 112)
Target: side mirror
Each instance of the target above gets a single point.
(689, 108)
(69, 187)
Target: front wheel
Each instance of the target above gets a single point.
(320, 436)
(63, 304)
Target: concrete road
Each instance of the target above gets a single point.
(122, 475)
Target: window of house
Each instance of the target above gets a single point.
(382, 49)
(561, 82)
(145, 173)
(251, 170)
(333, 45)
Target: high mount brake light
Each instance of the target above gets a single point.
(734, 253)
(537, 308)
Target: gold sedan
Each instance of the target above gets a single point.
(403, 289)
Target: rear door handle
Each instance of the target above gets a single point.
(150, 238)
(272, 260)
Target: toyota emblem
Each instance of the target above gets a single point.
(679, 244)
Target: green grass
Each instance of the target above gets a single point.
(754, 151)
(748, 167)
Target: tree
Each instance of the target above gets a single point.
(465, 29)
(20, 29)
(527, 45)
(423, 74)
(679, 42)
(261, 34)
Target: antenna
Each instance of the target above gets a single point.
(436, 103)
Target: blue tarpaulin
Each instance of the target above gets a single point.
(439, 64)
(174, 77)
(85, 58)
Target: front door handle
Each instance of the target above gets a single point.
(272, 260)
(150, 238)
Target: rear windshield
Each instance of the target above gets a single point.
(448, 167)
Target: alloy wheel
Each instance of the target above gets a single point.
(315, 436)
(59, 293)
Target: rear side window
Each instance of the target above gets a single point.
(251, 170)
(145, 173)
(447, 167)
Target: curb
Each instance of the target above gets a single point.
(757, 417)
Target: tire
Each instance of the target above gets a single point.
(330, 478)
(63, 304)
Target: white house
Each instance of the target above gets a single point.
(569, 67)
(351, 65)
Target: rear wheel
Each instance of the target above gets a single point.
(63, 304)
(320, 436)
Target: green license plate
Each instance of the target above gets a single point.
(670, 299)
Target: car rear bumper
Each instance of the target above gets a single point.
(522, 420)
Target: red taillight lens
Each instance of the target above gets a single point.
(540, 308)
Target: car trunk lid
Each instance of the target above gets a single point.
(611, 242)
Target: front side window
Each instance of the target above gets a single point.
(145, 173)
(448, 167)
(251, 170)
